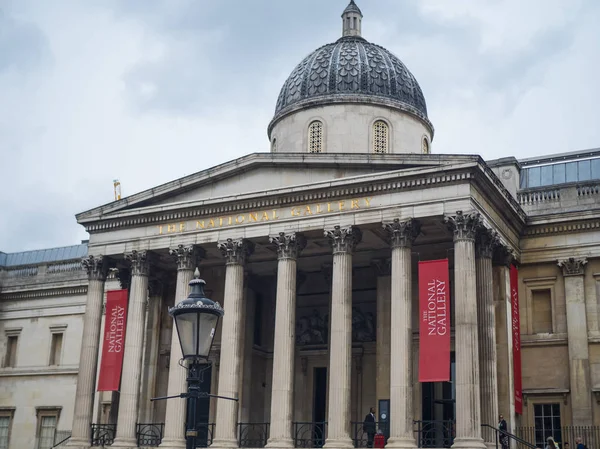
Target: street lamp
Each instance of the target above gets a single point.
(196, 319)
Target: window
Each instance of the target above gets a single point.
(10, 358)
(46, 427)
(6, 416)
(380, 137)
(56, 348)
(315, 137)
(542, 311)
(274, 146)
(425, 145)
(547, 423)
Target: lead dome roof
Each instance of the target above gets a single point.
(351, 70)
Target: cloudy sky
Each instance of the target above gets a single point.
(148, 91)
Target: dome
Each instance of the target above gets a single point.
(351, 70)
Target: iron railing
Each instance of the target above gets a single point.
(149, 435)
(565, 434)
(505, 439)
(205, 434)
(253, 434)
(309, 434)
(61, 437)
(434, 433)
(363, 433)
(103, 434)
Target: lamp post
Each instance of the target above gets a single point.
(196, 320)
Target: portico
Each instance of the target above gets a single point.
(293, 331)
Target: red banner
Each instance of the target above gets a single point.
(516, 339)
(434, 329)
(114, 341)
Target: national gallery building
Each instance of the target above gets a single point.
(319, 252)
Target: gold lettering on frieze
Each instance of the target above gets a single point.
(262, 216)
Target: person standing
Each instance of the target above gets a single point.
(503, 434)
(369, 426)
(579, 442)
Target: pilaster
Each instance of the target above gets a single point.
(579, 358)
(401, 237)
(343, 242)
(468, 407)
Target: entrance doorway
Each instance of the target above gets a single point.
(204, 436)
(439, 411)
(319, 406)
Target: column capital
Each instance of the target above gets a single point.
(236, 251)
(503, 256)
(187, 257)
(344, 240)
(463, 225)
(402, 234)
(486, 240)
(289, 245)
(573, 266)
(382, 267)
(140, 264)
(96, 267)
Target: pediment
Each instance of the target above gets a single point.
(260, 173)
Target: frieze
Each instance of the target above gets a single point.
(565, 228)
(175, 218)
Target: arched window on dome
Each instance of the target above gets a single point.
(381, 137)
(315, 137)
(274, 145)
(425, 145)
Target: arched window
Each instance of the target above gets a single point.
(274, 146)
(425, 145)
(381, 137)
(315, 137)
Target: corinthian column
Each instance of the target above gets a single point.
(235, 252)
(186, 258)
(343, 242)
(487, 240)
(132, 360)
(97, 268)
(579, 356)
(401, 234)
(282, 395)
(468, 408)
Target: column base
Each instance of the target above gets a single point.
(280, 443)
(178, 443)
(492, 445)
(78, 443)
(469, 443)
(224, 443)
(124, 443)
(402, 442)
(342, 443)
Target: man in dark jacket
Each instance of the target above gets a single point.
(369, 426)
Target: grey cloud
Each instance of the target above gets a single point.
(23, 46)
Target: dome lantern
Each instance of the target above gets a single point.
(352, 20)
